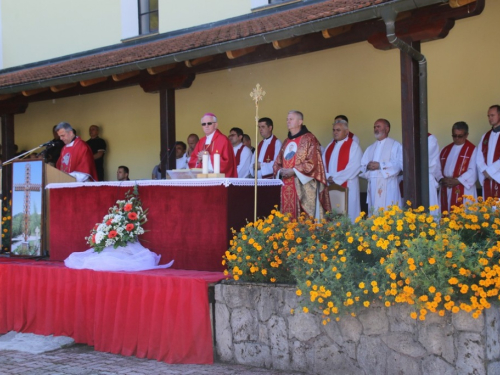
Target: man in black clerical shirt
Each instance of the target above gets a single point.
(98, 146)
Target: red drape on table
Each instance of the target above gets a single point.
(188, 224)
(156, 314)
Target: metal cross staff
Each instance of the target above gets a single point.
(257, 95)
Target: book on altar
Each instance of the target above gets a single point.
(184, 173)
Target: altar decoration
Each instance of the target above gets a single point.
(395, 256)
(122, 225)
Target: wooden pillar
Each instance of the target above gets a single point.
(8, 152)
(167, 129)
(410, 127)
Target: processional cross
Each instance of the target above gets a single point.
(257, 95)
(27, 187)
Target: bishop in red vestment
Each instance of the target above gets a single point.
(76, 156)
(214, 142)
(300, 165)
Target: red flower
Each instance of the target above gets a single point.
(112, 234)
(129, 227)
(109, 222)
(132, 216)
(128, 207)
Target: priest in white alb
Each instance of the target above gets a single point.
(488, 156)
(342, 160)
(380, 165)
(458, 161)
(267, 150)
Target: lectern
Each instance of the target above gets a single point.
(30, 203)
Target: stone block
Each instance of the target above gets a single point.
(398, 364)
(492, 317)
(263, 333)
(303, 327)
(279, 343)
(404, 343)
(302, 358)
(372, 355)
(470, 354)
(290, 301)
(493, 368)
(351, 328)
(240, 295)
(219, 293)
(223, 332)
(266, 304)
(400, 319)
(374, 321)
(244, 324)
(328, 358)
(438, 339)
(252, 354)
(463, 321)
(435, 365)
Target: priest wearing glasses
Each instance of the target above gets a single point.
(214, 142)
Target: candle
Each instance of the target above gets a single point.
(217, 163)
(205, 163)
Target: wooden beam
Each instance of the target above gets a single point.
(90, 82)
(178, 81)
(240, 52)
(35, 91)
(460, 3)
(122, 76)
(196, 62)
(161, 69)
(280, 44)
(62, 87)
(330, 33)
(7, 96)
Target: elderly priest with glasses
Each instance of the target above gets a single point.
(214, 142)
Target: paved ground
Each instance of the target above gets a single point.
(83, 360)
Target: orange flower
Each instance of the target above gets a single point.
(132, 216)
(127, 208)
(129, 227)
(112, 234)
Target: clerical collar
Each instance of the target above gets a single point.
(70, 144)
(268, 138)
(303, 130)
(496, 129)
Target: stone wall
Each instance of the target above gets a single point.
(254, 327)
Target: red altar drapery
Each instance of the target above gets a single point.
(156, 314)
(189, 224)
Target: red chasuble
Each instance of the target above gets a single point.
(220, 145)
(77, 158)
(344, 152)
(491, 187)
(269, 155)
(461, 166)
(305, 157)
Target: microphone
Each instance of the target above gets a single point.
(169, 154)
(51, 143)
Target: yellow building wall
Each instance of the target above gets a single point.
(34, 30)
(176, 15)
(357, 80)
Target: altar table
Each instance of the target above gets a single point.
(189, 221)
(156, 314)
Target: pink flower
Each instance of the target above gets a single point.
(112, 234)
(132, 216)
(128, 207)
(129, 227)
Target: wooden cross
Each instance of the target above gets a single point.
(27, 187)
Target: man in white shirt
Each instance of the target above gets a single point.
(488, 156)
(458, 162)
(342, 160)
(180, 155)
(380, 165)
(267, 150)
(242, 154)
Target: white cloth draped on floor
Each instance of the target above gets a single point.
(133, 257)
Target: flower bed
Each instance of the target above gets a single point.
(395, 256)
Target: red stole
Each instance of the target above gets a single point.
(491, 187)
(237, 157)
(461, 166)
(344, 152)
(289, 200)
(269, 155)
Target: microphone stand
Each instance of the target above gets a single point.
(23, 154)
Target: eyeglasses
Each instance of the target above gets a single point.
(207, 123)
(459, 136)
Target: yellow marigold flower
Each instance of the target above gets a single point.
(366, 303)
(449, 254)
(236, 277)
(453, 281)
(387, 304)
(350, 240)
(244, 237)
(343, 259)
(305, 309)
(338, 275)
(273, 279)
(412, 267)
(431, 260)
(432, 289)
(362, 285)
(413, 315)
(348, 294)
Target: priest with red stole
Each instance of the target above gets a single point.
(214, 142)
(342, 159)
(76, 156)
(488, 156)
(458, 163)
(267, 150)
(300, 166)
